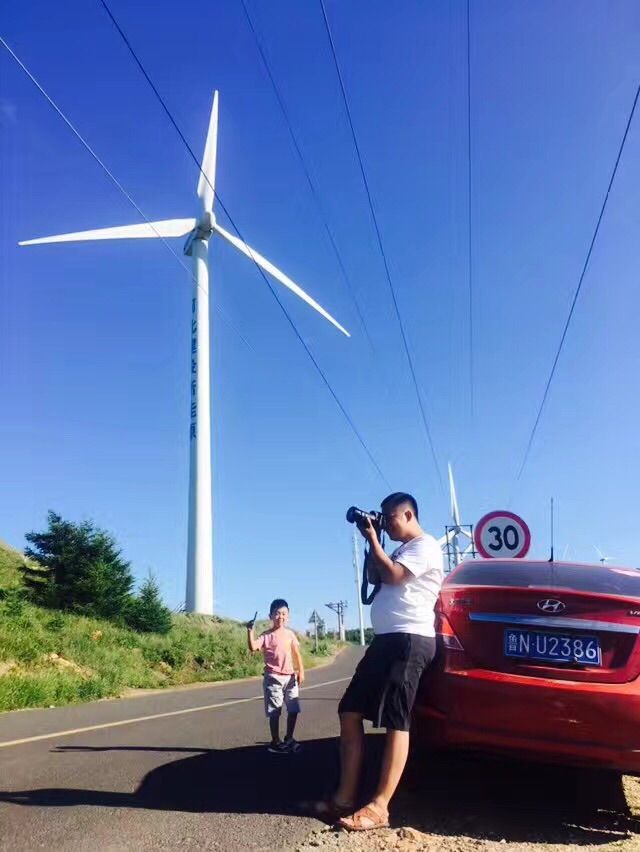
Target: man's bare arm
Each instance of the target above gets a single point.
(389, 572)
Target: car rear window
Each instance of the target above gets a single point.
(582, 578)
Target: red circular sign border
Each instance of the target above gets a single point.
(484, 520)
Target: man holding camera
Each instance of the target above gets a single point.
(384, 685)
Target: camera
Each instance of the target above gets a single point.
(354, 515)
(358, 516)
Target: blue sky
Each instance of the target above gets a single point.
(94, 338)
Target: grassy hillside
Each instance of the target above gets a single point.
(10, 562)
(49, 657)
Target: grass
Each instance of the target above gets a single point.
(50, 658)
(10, 562)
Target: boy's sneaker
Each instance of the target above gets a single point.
(292, 745)
(277, 748)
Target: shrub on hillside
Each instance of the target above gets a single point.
(146, 612)
(354, 636)
(78, 567)
(325, 648)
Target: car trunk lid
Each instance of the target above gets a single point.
(510, 616)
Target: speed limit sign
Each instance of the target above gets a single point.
(502, 535)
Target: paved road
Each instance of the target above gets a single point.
(196, 775)
(189, 769)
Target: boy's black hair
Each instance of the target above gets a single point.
(276, 604)
(397, 499)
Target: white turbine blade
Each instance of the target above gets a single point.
(278, 275)
(207, 180)
(599, 552)
(166, 228)
(455, 512)
(449, 537)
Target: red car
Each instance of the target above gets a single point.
(540, 660)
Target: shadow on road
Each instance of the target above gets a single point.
(443, 795)
(236, 780)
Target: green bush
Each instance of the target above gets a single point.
(325, 648)
(78, 567)
(146, 612)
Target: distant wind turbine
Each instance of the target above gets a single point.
(199, 597)
(450, 541)
(602, 558)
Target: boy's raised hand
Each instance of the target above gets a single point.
(249, 624)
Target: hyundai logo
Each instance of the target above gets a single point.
(551, 605)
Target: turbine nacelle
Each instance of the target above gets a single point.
(203, 230)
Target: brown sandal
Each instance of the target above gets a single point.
(356, 822)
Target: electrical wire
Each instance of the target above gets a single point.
(578, 289)
(470, 216)
(374, 218)
(312, 358)
(307, 174)
(113, 178)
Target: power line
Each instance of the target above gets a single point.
(578, 288)
(113, 178)
(319, 370)
(470, 215)
(307, 174)
(381, 247)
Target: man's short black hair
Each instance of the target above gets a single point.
(397, 499)
(275, 605)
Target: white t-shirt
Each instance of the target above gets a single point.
(408, 607)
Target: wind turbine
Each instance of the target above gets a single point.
(602, 558)
(450, 541)
(199, 597)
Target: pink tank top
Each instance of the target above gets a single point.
(276, 646)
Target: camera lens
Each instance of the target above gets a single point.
(352, 514)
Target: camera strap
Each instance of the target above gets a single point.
(365, 596)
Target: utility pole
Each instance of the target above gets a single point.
(314, 620)
(356, 566)
(339, 608)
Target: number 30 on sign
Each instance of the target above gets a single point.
(502, 535)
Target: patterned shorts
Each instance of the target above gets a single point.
(279, 690)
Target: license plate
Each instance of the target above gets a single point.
(552, 647)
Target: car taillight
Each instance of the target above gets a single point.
(446, 633)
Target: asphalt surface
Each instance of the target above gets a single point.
(188, 769)
(196, 776)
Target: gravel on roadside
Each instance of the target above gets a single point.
(480, 805)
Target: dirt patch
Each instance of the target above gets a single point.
(7, 666)
(467, 804)
(64, 665)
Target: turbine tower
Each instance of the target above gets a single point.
(199, 596)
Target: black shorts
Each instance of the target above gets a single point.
(384, 686)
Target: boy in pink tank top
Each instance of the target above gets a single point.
(283, 673)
